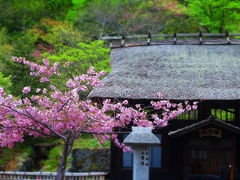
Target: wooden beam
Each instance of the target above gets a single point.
(169, 35)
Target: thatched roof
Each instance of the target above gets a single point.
(208, 72)
(210, 121)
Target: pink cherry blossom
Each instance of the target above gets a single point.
(52, 87)
(46, 62)
(38, 90)
(43, 79)
(160, 95)
(44, 91)
(26, 90)
(125, 102)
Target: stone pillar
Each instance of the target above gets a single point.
(140, 140)
(141, 163)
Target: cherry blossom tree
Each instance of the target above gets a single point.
(63, 114)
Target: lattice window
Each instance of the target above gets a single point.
(224, 114)
(189, 115)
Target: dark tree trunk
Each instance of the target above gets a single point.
(66, 151)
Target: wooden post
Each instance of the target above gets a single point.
(228, 40)
(200, 37)
(149, 38)
(123, 40)
(233, 157)
(175, 38)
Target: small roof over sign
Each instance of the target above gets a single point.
(141, 136)
(193, 72)
(203, 123)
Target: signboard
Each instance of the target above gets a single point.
(210, 132)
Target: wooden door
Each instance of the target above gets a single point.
(209, 161)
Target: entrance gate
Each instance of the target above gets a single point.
(210, 156)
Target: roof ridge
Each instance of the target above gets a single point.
(149, 35)
(174, 41)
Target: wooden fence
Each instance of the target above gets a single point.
(170, 35)
(11, 175)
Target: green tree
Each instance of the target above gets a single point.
(85, 55)
(68, 44)
(19, 15)
(81, 58)
(5, 48)
(166, 16)
(94, 17)
(23, 46)
(57, 34)
(98, 17)
(216, 15)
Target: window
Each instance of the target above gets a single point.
(224, 114)
(189, 115)
(156, 155)
(127, 156)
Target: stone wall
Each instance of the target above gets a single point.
(89, 160)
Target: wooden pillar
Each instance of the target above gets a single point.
(204, 110)
(237, 116)
(233, 157)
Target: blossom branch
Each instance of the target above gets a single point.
(45, 125)
(36, 120)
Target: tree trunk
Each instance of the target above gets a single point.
(66, 151)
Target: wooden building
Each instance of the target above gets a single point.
(201, 144)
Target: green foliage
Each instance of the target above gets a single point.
(3, 36)
(216, 15)
(60, 35)
(224, 114)
(5, 82)
(77, 4)
(5, 48)
(19, 15)
(57, 9)
(23, 46)
(83, 56)
(96, 16)
(65, 43)
(166, 16)
(86, 141)
(99, 17)
(67, 46)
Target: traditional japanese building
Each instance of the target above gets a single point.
(204, 143)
